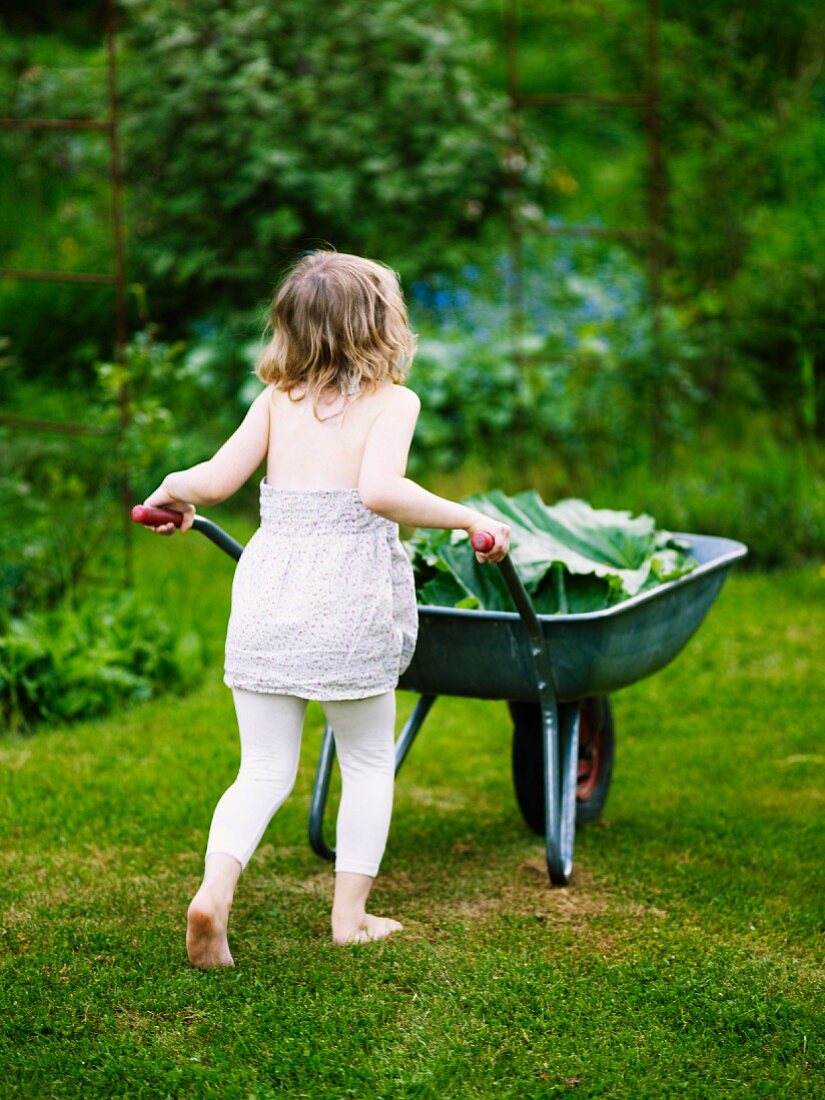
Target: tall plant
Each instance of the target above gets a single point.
(252, 128)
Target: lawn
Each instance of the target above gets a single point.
(683, 960)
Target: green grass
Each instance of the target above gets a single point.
(683, 960)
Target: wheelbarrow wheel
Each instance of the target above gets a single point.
(595, 766)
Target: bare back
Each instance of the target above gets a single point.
(307, 453)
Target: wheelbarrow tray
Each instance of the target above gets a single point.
(487, 654)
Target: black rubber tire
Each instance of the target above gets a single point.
(528, 764)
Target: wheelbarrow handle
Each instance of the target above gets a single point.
(154, 517)
(483, 542)
(560, 728)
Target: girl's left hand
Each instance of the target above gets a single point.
(162, 498)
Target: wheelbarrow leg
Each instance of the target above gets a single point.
(561, 753)
(320, 789)
(560, 739)
(411, 728)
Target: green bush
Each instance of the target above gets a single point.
(748, 480)
(748, 484)
(250, 129)
(584, 381)
(72, 663)
(744, 162)
(57, 513)
(55, 193)
(60, 495)
(179, 408)
(746, 158)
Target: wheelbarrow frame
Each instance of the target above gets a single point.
(556, 661)
(560, 728)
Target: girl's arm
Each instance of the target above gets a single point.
(222, 475)
(385, 489)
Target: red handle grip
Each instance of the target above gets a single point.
(482, 541)
(154, 517)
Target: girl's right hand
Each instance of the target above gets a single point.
(164, 498)
(500, 533)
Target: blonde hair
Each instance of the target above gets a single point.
(339, 321)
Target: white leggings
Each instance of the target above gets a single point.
(270, 728)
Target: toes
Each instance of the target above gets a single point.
(379, 927)
(374, 928)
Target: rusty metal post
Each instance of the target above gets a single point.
(126, 493)
(514, 168)
(656, 213)
(115, 279)
(650, 102)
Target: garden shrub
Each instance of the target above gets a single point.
(60, 494)
(55, 192)
(73, 663)
(249, 129)
(57, 511)
(745, 483)
(589, 384)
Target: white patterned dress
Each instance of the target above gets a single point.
(323, 599)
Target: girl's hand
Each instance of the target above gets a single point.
(499, 531)
(162, 498)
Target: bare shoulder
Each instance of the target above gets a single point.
(394, 409)
(402, 398)
(265, 396)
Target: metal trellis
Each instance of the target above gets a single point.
(649, 101)
(116, 278)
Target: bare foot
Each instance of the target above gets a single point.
(365, 930)
(206, 921)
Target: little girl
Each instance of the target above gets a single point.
(323, 601)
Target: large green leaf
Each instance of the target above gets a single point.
(446, 590)
(571, 557)
(580, 538)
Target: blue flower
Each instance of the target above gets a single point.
(420, 292)
(588, 311)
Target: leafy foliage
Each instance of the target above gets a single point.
(176, 407)
(59, 494)
(581, 382)
(55, 194)
(56, 515)
(68, 663)
(250, 127)
(252, 131)
(570, 557)
(744, 161)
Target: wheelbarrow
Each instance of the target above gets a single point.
(556, 673)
